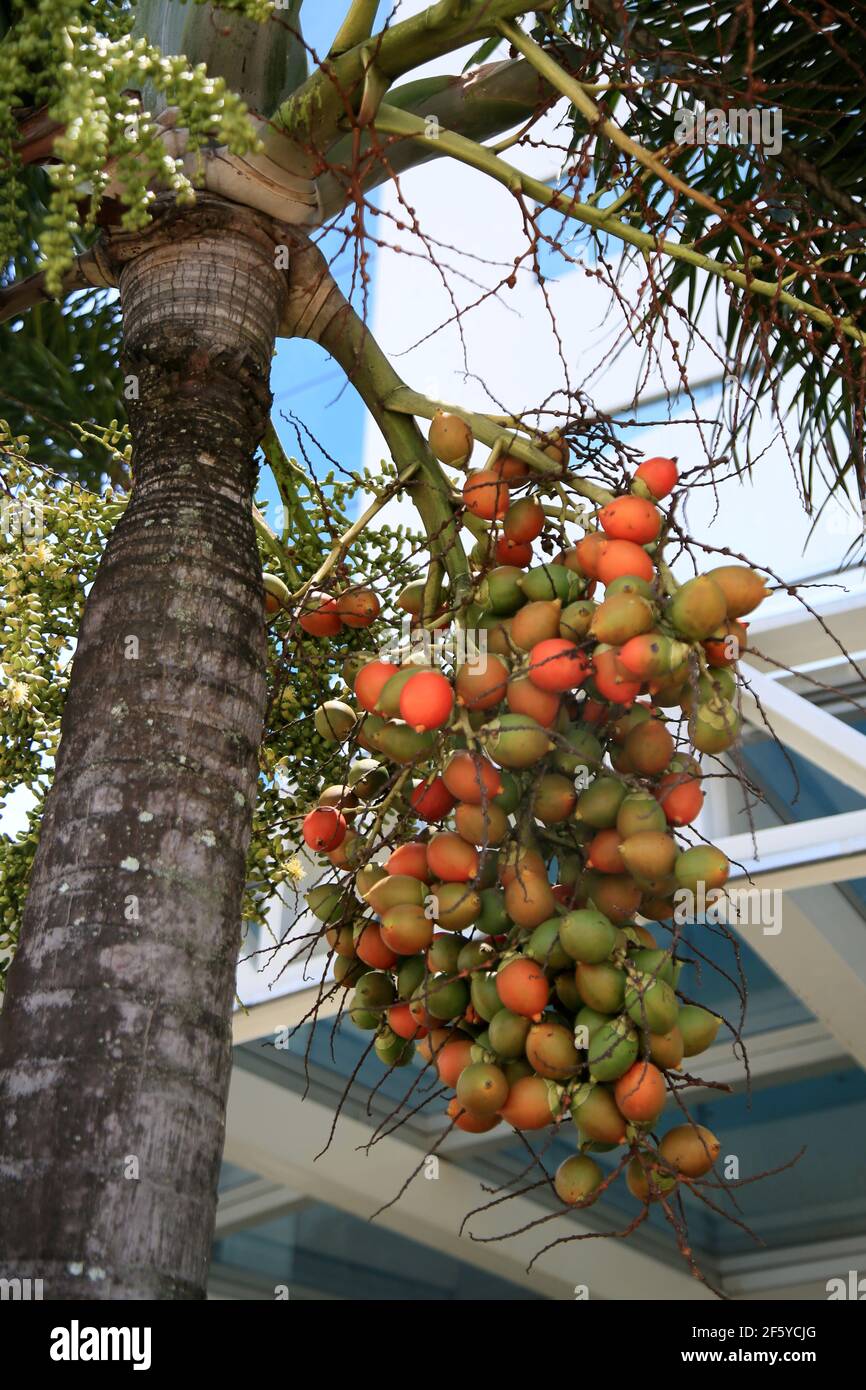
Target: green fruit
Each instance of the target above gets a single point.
(702, 864)
(364, 1018)
(574, 620)
(394, 1051)
(587, 935)
(621, 617)
(411, 599)
(388, 703)
(591, 1020)
(576, 1179)
(658, 964)
(565, 988)
(698, 608)
(639, 812)
(457, 906)
(402, 744)
(599, 804)
(544, 946)
(393, 890)
(648, 1181)
(482, 1088)
(714, 726)
(485, 999)
(476, 955)
(367, 778)
(445, 998)
(410, 974)
(326, 902)
(698, 1028)
(517, 1069)
(334, 721)
(719, 684)
(442, 955)
(550, 1049)
(355, 663)
(501, 591)
(375, 990)
(551, 581)
(494, 919)
(368, 731)
(629, 584)
(583, 751)
(508, 799)
(517, 741)
(348, 972)
(601, 986)
(652, 1005)
(612, 1050)
(597, 1116)
(508, 1033)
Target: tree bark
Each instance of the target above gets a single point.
(115, 1036)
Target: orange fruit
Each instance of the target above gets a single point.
(691, 1149)
(528, 1104)
(371, 681)
(471, 778)
(631, 519)
(372, 950)
(450, 438)
(325, 828)
(680, 797)
(432, 800)
(319, 615)
(640, 1093)
(529, 900)
(523, 987)
(557, 665)
(524, 520)
(358, 607)
(604, 853)
(471, 1124)
(481, 685)
(451, 858)
(619, 558)
(525, 698)
(659, 476)
(611, 680)
(509, 468)
(588, 552)
(485, 495)
(509, 552)
(452, 1059)
(426, 701)
(409, 859)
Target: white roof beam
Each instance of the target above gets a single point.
(822, 738)
(270, 1131)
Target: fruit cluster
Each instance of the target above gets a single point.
(321, 614)
(533, 801)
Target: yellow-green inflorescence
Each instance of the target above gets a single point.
(79, 59)
(53, 534)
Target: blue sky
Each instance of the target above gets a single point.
(305, 382)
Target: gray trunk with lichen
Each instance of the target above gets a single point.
(115, 1034)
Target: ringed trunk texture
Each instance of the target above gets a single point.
(115, 1035)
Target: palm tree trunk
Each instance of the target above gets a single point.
(116, 1031)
